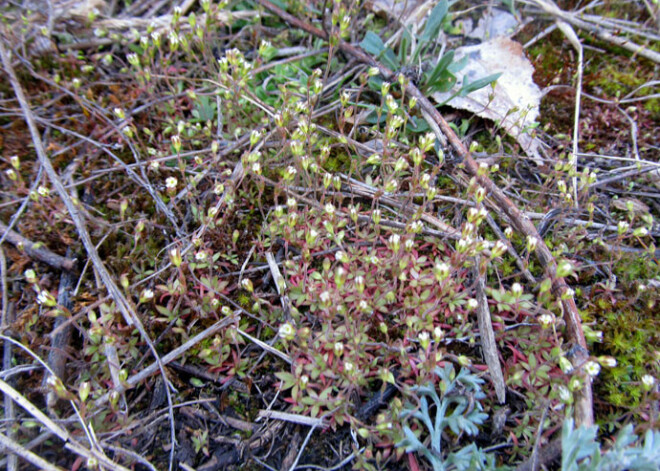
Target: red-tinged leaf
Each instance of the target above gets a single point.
(77, 464)
(412, 462)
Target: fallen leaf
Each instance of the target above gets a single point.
(514, 103)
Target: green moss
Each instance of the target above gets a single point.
(617, 80)
(338, 162)
(630, 326)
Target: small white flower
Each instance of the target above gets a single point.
(147, 295)
(472, 304)
(200, 256)
(441, 271)
(338, 348)
(348, 367)
(516, 289)
(592, 368)
(286, 331)
(545, 320)
(215, 303)
(43, 191)
(341, 256)
(648, 381)
(171, 183)
(325, 297)
(330, 209)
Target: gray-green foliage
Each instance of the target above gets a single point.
(457, 408)
(581, 452)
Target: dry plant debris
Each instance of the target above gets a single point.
(239, 235)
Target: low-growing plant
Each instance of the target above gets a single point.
(581, 451)
(457, 409)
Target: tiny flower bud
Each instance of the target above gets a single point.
(424, 339)
(84, 390)
(146, 295)
(532, 242)
(607, 361)
(359, 283)
(30, 276)
(622, 227)
(175, 257)
(375, 216)
(246, 283)
(564, 269)
(565, 365)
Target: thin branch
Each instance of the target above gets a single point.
(17, 450)
(69, 442)
(488, 343)
(35, 250)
